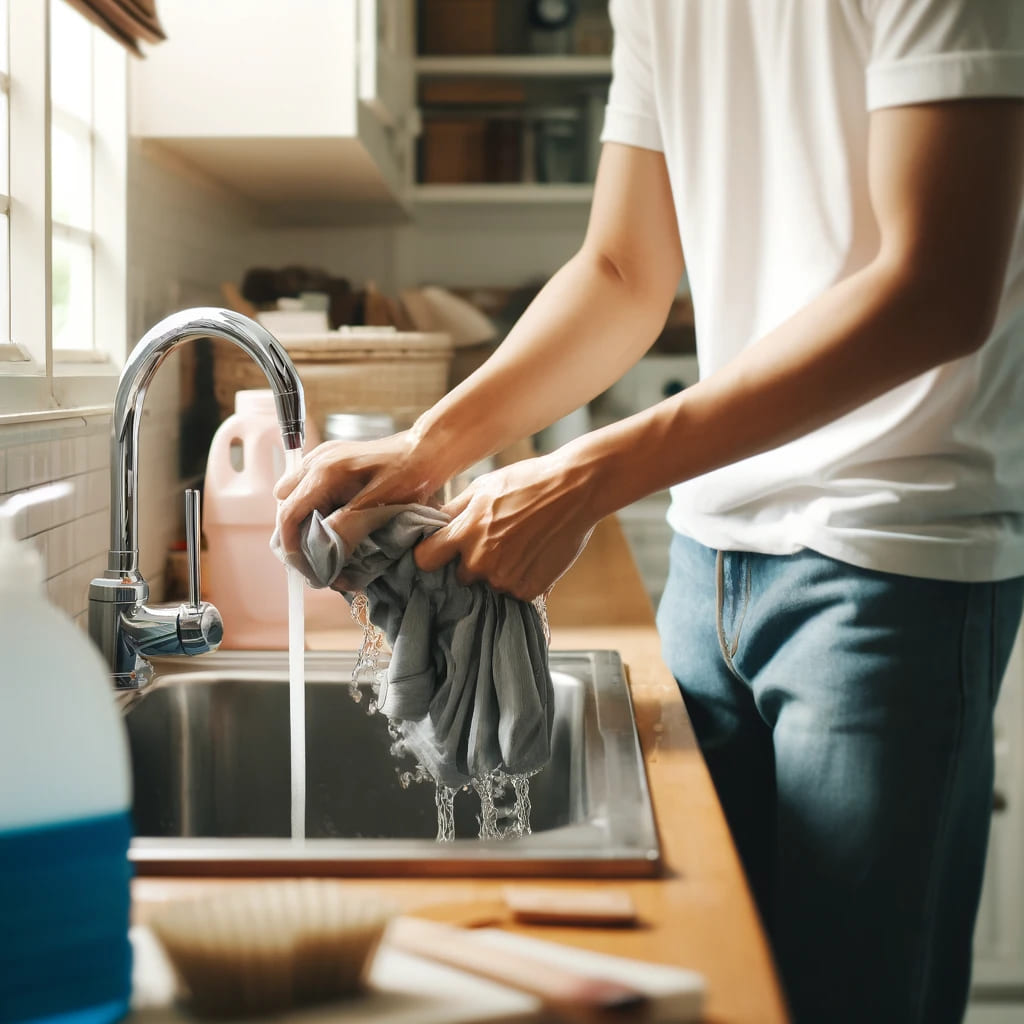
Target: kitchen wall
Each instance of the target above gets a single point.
(185, 235)
(452, 245)
(469, 246)
(358, 253)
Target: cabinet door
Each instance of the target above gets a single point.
(386, 54)
(386, 83)
(284, 101)
(249, 69)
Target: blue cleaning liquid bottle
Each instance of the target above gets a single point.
(65, 819)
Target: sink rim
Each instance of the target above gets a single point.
(623, 842)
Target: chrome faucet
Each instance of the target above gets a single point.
(126, 630)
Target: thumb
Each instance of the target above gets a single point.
(438, 549)
(442, 546)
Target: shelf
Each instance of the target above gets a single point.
(486, 193)
(568, 66)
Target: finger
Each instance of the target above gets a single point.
(307, 495)
(438, 549)
(459, 503)
(354, 525)
(466, 576)
(374, 494)
(387, 487)
(528, 589)
(288, 483)
(287, 530)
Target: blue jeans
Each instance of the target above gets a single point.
(846, 719)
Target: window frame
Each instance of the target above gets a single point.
(38, 378)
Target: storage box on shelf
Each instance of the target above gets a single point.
(355, 370)
(497, 131)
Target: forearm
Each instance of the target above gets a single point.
(585, 328)
(864, 336)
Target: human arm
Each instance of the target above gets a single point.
(945, 185)
(590, 323)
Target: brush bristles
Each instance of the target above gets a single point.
(269, 947)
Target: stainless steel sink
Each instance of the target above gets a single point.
(210, 758)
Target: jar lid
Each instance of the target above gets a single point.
(358, 426)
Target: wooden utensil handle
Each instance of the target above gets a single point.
(568, 993)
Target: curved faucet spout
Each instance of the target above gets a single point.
(125, 629)
(145, 359)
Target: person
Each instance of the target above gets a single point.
(847, 568)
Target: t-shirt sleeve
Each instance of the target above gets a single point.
(631, 116)
(928, 50)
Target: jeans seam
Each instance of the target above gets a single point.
(932, 894)
(993, 630)
(723, 642)
(743, 612)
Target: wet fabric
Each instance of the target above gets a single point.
(468, 676)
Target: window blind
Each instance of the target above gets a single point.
(128, 21)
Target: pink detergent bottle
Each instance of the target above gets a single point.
(241, 575)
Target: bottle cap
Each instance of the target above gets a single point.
(259, 402)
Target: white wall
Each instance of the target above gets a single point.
(186, 234)
(358, 253)
(461, 246)
(474, 245)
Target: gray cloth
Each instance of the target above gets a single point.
(468, 678)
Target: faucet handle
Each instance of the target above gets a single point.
(199, 626)
(192, 542)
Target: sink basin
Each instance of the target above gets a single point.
(210, 760)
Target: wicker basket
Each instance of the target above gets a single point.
(355, 370)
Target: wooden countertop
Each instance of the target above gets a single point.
(699, 913)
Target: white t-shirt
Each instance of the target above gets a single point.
(761, 109)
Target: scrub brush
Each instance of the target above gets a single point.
(268, 947)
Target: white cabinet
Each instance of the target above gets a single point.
(286, 102)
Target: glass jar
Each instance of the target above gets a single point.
(559, 145)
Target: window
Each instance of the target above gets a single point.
(62, 197)
(5, 198)
(71, 181)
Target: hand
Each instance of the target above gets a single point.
(519, 528)
(341, 478)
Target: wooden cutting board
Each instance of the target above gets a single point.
(405, 989)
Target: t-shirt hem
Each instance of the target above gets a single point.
(631, 129)
(944, 77)
(922, 558)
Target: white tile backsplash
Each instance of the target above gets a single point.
(60, 549)
(70, 533)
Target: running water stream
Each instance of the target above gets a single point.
(297, 680)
